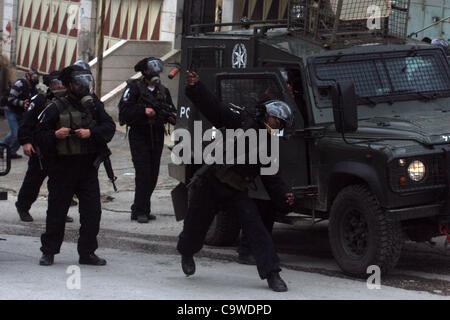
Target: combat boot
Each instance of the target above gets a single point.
(276, 283)
(188, 265)
(92, 259)
(24, 215)
(47, 259)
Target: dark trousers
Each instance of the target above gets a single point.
(268, 212)
(68, 176)
(146, 144)
(31, 184)
(206, 195)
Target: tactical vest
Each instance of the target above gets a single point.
(73, 118)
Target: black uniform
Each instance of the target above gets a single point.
(37, 170)
(73, 174)
(146, 139)
(207, 193)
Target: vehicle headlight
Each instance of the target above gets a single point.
(416, 170)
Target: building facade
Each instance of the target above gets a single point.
(51, 34)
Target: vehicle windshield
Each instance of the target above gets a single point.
(383, 77)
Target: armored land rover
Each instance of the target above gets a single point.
(370, 146)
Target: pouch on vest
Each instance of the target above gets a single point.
(73, 118)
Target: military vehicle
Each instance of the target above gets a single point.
(370, 147)
(5, 166)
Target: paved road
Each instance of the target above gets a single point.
(143, 263)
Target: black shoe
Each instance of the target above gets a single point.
(16, 156)
(46, 259)
(69, 219)
(25, 216)
(92, 260)
(144, 218)
(246, 259)
(276, 283)
(188, 265)
(73, 203)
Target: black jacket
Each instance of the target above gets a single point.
(101, 133)
(30, 119)
(131, 111)
(221, 116)
(20, 92)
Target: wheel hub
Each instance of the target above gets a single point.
(354, 233)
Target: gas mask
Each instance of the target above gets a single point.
(34, 78)
(81, 85)
(152, 70)
(87, 102)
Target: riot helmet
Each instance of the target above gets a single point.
(280, 110)
(150, 69)
(81, 83)
(78, 81)
(83, 64)
(54, 84)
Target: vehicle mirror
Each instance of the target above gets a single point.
(345, 107)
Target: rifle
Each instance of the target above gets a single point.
(164, 111)
(104, 157)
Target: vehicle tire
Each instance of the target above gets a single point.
(224, 230)
(361, 234)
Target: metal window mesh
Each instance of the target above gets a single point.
(207, 57)
(377, 76)
(337, 21)
(248, 92)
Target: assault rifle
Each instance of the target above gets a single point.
(104, 157)
(165, 112)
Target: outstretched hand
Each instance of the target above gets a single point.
(290, 199)
(192, 78)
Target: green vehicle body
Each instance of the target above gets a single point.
(318, 161)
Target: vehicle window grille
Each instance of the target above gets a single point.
(207, 57)
(248, 92)
(337, 21)
(377, 77)
(435, 177)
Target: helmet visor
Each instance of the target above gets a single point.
(82, 84)
(154, 67)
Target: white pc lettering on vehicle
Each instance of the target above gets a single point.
(185, 112)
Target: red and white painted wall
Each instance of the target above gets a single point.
(51, 34)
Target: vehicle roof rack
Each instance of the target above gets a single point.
(342, 23)
(244, 23)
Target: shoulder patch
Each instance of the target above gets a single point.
(126, 95)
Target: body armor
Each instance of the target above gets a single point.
(74, 118)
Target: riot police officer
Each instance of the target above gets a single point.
(146, 106)
(37, 170)
(227, 187)
(19, 100)
(72, 131)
